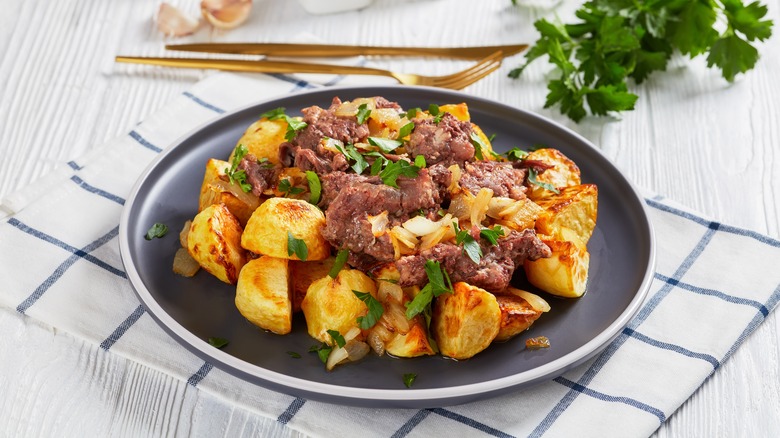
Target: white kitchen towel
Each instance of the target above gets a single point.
(60, 264)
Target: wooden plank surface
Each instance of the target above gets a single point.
(694, 138)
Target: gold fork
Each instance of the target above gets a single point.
(455, 81)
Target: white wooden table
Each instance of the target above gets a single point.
(709, 145)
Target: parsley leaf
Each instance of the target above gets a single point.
(363, 113)
(409, 379)
(385, 144)
(315, 187)
(479, 145)
(238, 176)
(294, 355)
(412, 113)
(492, 235)
(392, 171)
(351, 153)
(406, 130)
(338, 265)
(337, 338)
(419, 161)
(615, 40)
(297, 247)
(218, 342)
(533, 180)
(437, 113)
(470, 246)
(287, 188)
(157, 230)
(323, 351)
(293, 125)
(435, 287)
(375, 310)
(515, 154)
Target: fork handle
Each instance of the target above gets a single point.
(253, 66)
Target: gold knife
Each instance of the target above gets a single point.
(326, 50)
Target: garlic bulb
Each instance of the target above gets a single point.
(173, 22)
(226, 14)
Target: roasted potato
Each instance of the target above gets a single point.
(263, 294)
(330, 304)
(266, 231)
(466, 321)
(460, 111)
(262, 139)
(575, 208)
(565, 272)
(564, 172)
(304, 274)
(215, 242)
(413, 343)
(215, 189)
(517, 313)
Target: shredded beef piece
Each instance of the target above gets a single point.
(442, 177)
(502, 178)
(333, 183)
(494, 270)
(381, 102)
(447, 142)
(260, 176)
(538, 165)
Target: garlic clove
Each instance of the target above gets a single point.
(173, 22)
(226, 14)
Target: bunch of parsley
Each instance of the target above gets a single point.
(620, 39)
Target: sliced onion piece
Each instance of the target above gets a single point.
(421, 225)
(379, 223)
(395, 314)
(356, 350)
(535, 301)
(350, 108)
(247, 198)
(461, 205)
(336, 356)
(389, 291)
(351, 334)
(375, 341)
(184, 264)
(184, 233)
(455, 174)
(480, 207)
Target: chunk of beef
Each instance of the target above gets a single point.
(494, 270)
(333, 183)
(446, 142)
(502, 178)
(381, 102)
(321, 123)
(260, 176)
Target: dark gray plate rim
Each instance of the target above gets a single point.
(424, 397)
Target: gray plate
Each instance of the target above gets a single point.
(192, 310)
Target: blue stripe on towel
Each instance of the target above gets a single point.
(73, 165)
(123, 327)
(672, 347)
(203, 103)
(60, 270)
(611, 398)
(199, 375)
(137, 137)
(411, 423)
(97, 191)
(714, 293)
(423, 413)
(291, 410)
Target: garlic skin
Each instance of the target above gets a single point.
(226, 14)
(173, 22)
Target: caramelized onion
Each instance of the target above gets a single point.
(538, 303)
(249, 199)
(480, 207)
(375, 341)
(379, 223)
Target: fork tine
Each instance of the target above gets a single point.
(470, 75)
(478, 66)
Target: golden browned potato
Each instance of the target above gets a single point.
(266, 231)
(466, 321)
(304, 274)
(517, 314)
(262, 139)
(413, 343)
(575, 208)
(564, 172)
(215, 189)
(460, 111)
(329, 303)
(215, 242)
(263, 294)
(565, 272)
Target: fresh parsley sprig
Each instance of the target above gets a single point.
(297, 246)
(287, 189)
(293, 125)
(392, 171)
(470, 245)
(375, 310)
(617, 40)
(235, 175)
(436, 286)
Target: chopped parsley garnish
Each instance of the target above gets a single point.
(419, 161)
(532, 178)
(437, 113)
(323, 351)
(288, 189)
(293, 125)
(492, 137)
(315, 187)
(470, 246)
(390, 174)
(337, 338)
(375, 310)
(363, 113)
(297, 247)
(515, 154)
(238, 176)
(479, 145)
(411, 113)
(218, 342)
(378, 165)
(409, 379)
(341, 260)
(405, 130)
(435, 287)
(294, 354)
(157, 230)
(491, 235)
(385, 144)
(351, 153)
